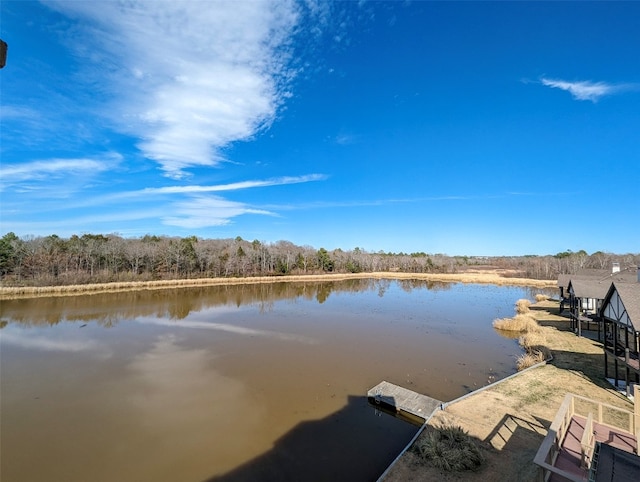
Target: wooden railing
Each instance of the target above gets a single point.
(587, 444)
(550, 448)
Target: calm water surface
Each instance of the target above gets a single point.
(253, 382)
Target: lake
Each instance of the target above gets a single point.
(230, 383)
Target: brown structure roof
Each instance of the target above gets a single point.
(629, 294)
(628, 275)
(590, 288)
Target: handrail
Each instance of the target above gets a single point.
(610, 408)
(565, 475)
(550, 447)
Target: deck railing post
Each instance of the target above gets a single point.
(600, 413)
(587, 443)
(626, 371)
(572, 409)
(636, 414)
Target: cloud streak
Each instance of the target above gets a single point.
(25, 176)
(234, 186)
(202, 212)
(587, 90)
(190, 77)
(187, 207)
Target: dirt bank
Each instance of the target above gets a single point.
(496, 277)
(510, 419)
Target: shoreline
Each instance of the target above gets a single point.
(509, 418)
(494, 277)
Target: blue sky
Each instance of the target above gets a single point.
(460, 128)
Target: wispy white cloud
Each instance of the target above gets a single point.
(49, 169)
(414, 200)
(587, 90)
(346, 139)
(189, 78)
(234, 186)
(201, 212)
(11, 112)
(65, 224)
(180, 206)
(155, 192)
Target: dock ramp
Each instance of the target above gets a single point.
(403, 401)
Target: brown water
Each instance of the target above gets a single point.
(253, 382)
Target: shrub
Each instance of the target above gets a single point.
(449, 448)
(522, 306)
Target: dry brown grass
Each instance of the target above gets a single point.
(522, 306)
(527, 360)
(495, 277)
(521, 323)
(533, 339)
(540, 297)
(534, 344)
(536, 351)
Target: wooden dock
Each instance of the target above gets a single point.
(402, 401)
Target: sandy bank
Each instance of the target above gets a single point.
(495, 277)
(510, 419)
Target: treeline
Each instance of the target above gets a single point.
(97, 258)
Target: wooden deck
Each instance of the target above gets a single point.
(580, 424)
(569, 457)
(402, 400)
(634, 363)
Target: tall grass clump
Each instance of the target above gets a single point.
(522, 306)
(535, 350)
(532, 339)
(521, 323)
(527, 360)
(540, 297)
(449, 448)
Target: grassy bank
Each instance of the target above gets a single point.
(509, 420)
(496, 277)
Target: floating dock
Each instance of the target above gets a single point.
(403, 401)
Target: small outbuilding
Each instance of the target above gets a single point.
(585, 300)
